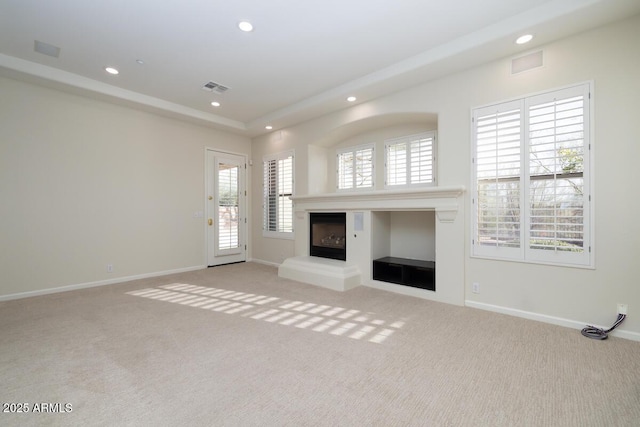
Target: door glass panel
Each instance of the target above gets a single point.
(228, 208)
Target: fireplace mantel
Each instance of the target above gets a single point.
(443, 200)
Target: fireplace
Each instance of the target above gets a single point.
(328, 235)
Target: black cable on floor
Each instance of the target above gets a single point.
(600, 334)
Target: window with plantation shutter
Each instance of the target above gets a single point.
(531, 165)
(410, 160)
(355, 168)
(278, 187)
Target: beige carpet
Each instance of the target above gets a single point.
(238, 346)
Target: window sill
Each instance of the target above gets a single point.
(590, 266)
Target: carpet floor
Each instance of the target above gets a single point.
(236, 345)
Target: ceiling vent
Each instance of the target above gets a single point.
(526, 62)
(215, 87)
(46, 49)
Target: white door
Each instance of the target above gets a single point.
(226, 200)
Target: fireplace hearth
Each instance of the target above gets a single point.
(328, 235)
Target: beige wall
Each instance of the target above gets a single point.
(610, 57)
(86, 183)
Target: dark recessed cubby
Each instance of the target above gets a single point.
(408, 272)
(397, 239)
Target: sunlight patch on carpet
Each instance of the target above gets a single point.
(337, 321)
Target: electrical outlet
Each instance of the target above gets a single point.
(475, 287)
(109, 268)
(622, 308)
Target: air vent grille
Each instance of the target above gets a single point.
(526, 62)
(46, 49)
(215, 87)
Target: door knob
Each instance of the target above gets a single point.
(210, 221)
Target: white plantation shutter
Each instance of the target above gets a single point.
(558, 192)
(355, 168)
(285, 191)
(410, 160)
(269, 195)
(229, 204)
(364, 168)
(345, 170)
(396, 160)
(531, 166)
(421, 151)
(498, 175)
(278, 187)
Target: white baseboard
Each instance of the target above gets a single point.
(28, 294)
(573, 324)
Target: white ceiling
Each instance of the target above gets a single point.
(301, 61)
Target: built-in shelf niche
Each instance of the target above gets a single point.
(403, 246)
(403, 234)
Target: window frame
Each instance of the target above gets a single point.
(354, 150)
(527, 179)
(267, 187)
(409, 158)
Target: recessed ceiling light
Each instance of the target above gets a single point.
(245, 26)
(268, 127)
(351, 98)
(111, 70)
(524, 39)
(215, 103)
